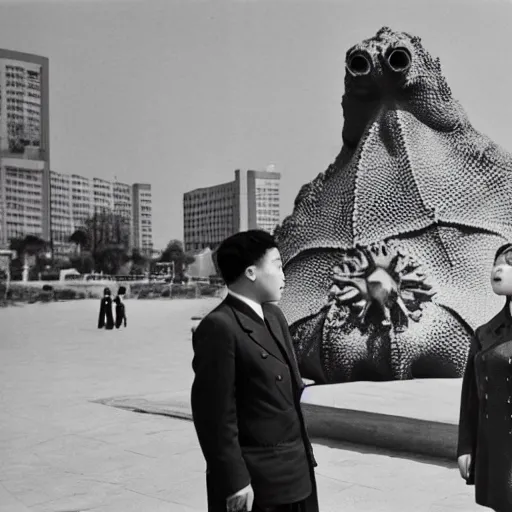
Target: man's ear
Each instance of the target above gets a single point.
(250, 273)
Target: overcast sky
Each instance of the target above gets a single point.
(181, 93)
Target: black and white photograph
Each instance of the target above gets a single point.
(255, 255)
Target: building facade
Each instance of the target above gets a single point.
(62, 209)
(211, 214)
(24, 146)
(142, 218)
(76, 199)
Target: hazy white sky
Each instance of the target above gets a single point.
(181, 93)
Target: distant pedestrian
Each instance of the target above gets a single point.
(485, 425)
(120, 307)
(106, 318)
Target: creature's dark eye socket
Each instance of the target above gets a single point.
(359, 64)
(399, 59)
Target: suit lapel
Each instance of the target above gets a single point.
(275, 328)
(283, 339)
(254, 326)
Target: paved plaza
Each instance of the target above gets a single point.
(62, 452)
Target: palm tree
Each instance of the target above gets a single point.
(80, 238)
(31, 245)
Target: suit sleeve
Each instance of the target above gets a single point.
(468, 418)
(214, 405)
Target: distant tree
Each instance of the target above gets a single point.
(140, 263)
(80, 238)
(106, 238)
(110, 259)
(83, 262)
(30, 246)
(174, 253)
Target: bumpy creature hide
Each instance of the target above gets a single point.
(388, 253)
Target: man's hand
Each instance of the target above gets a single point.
(241, 500)
(464, 462)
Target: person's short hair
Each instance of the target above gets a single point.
(242, 250)
(121, 291)
(504, 248)
(106, 291)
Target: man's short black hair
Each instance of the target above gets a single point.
(242, 250)
(121, 291)
(504, 248)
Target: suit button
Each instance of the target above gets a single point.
(279, 377)
(486, 377)
(264, 355)
(486, 396)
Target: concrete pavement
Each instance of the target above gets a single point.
(61, 452)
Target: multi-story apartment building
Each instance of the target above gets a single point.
(122, 197)
(142, 218)
(35, 200)
(62, 221)
(24, 146)
(82, 199)
(211, 214)
(103, 195)
(76, 199)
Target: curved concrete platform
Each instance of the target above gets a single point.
(418, 417)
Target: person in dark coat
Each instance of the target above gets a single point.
(106, 319)
(247, 388)
(120, 307)
(485, 425)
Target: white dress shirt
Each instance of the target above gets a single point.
(251, 303)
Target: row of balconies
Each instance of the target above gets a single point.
(26, 201)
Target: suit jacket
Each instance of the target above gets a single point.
(485, 424)
(246, 406)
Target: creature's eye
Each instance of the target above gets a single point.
(399, 59)
(508, 257)
(359, 64)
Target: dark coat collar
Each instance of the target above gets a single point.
(256, 327)
(498, 329)
(502, 320)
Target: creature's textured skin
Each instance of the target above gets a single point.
(388, 253)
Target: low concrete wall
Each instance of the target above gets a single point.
(92, 289)
(396, 433)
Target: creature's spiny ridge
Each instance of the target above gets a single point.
(414, 177)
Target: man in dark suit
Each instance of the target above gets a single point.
(247, 388)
